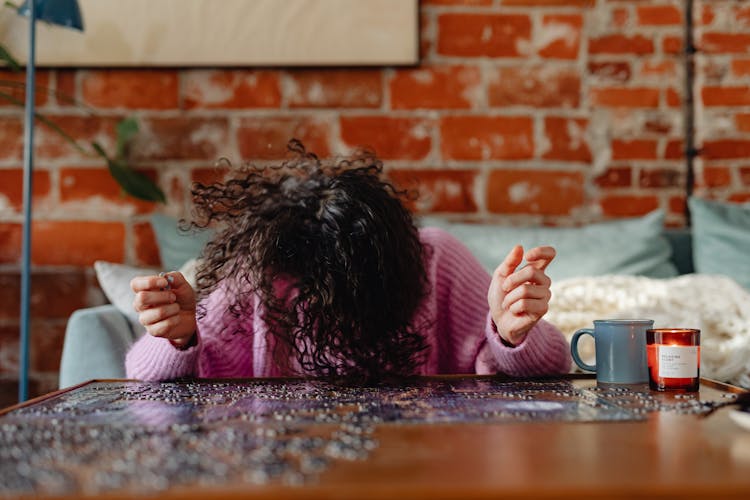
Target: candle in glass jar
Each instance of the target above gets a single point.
(674, 359)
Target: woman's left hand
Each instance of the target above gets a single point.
(518, 298)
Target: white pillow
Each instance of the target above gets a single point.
(115, 282)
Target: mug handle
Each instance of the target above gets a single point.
(574, 348)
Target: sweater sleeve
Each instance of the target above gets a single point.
(544, 351)
(153, 358)
(219, 351)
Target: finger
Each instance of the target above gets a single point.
(536, 308)
(527, 274)
(146, 283)
(510, 263)
(166, 328)
(146, 300)
(157, 314)
(526, 291)
(540, 257)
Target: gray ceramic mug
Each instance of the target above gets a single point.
(620, 346)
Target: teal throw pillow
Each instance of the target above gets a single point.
(721, 238)
(633, 246)
(176, 246)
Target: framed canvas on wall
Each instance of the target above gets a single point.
(227, 33)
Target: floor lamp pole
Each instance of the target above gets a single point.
(28, 171)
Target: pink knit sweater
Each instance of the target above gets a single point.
(461, 339)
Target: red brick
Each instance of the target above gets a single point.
(484, 35)
(11, 138)
(441, 87)
(742, 122)
(624, 205)
(11, 181)
(720, 149)
(77, 243)
(567, 139)
(615, 177)
(677, 206)
(54, 294)
(538, 86)
(742, 15)
(549, 3)
(334, 89)
(673, 97)
(83, 129)
(439, 190)
(672, 45)
(92, 185)
(456, 2)
(19, 92)
(616, 71)
(47, 346)
(561, 36)
(146, 247)
(707, 14)
(534, 192)
(208, 176)
(9, 349)
(231, 89)
(487, 137)
(745, 175)
(10, 242)
(637, 97)
(267, 137)
(620, 17)
(634, 149)
(725, 43)
(181, 138)
(725, 96)
(131, 88)
(714, 177)
(660, 69)
(621, 44)
(661, 178)
(740, 67)
(675, 150)
(659, 15)
(739, 198)
(401, 138)
(66, 87)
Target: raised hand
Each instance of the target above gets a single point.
(166, 306)
(518, 298)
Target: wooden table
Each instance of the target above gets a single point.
(667, 455)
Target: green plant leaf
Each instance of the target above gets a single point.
(132, 182)
(126, 130)
(8, 58)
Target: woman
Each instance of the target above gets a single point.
(318, 269)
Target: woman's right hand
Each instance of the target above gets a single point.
(166, 307)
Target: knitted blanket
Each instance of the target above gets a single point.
(716, 305)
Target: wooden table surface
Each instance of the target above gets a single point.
(668, 455)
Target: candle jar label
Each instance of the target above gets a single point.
(678, 361)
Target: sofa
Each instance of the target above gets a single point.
(626, 258)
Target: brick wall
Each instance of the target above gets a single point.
(522, 111)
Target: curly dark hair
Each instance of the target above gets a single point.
(343, 238)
